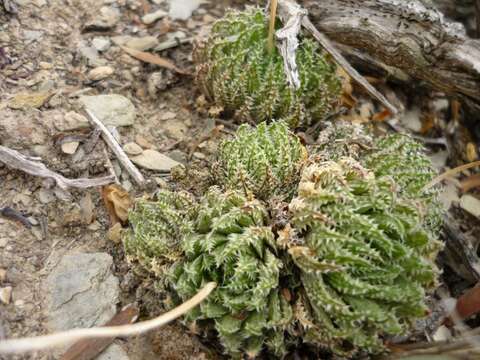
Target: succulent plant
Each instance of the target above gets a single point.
(347, 263)
(237, 72)
(157, 228)
(364, 264)
(264, 161)
(233, 245)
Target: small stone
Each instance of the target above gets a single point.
(121, 39)
(95, 226)
(45, 65)
(142, 43)
(112, 110)
(41, 150)
(33, 221)
(132, 148)
(411, 120)
(40, 3)
(199, 155)
(153, 160)
(3, 275)
(71, 121)
(4, 38)
(448, 195)
(442, 334)
(160, 80)
(100, 73)
(176, 35)
(178, 155)
(175, 129)
(101, 44)
(3, 242)
(440, 105)
(32, 35)
(90, 54)
(154, 16)
(168, 115)
(144, 143)
(70, 147)
(28, 100)
(182, 10)
(46, 196)
(108, 18)
(470, 204)
(6, 295)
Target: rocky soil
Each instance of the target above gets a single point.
(59, 56)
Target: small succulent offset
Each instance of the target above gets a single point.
(236, 71)
(233, 245)
(365, 264)
(348, 265)
(265, 161)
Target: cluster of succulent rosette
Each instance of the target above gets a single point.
(351, 265)
(331, 245)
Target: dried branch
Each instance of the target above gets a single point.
(117, 149)
(18, 161)
(410, 36)
(17, 346)
(293, 15)
(450, 173)
(271, 29)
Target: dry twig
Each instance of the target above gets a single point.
(450, 173)
(90, 348)
(117, 149)
(23, 345)
(16, 160)
(153, 59)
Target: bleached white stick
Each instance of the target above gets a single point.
(15, 160)
(17, 346)
(117, 149)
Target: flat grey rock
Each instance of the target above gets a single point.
(81, 291)
(112, 110)
(153, 160)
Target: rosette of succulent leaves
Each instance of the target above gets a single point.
(237, 72)
(265, 161)
(353, 264)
